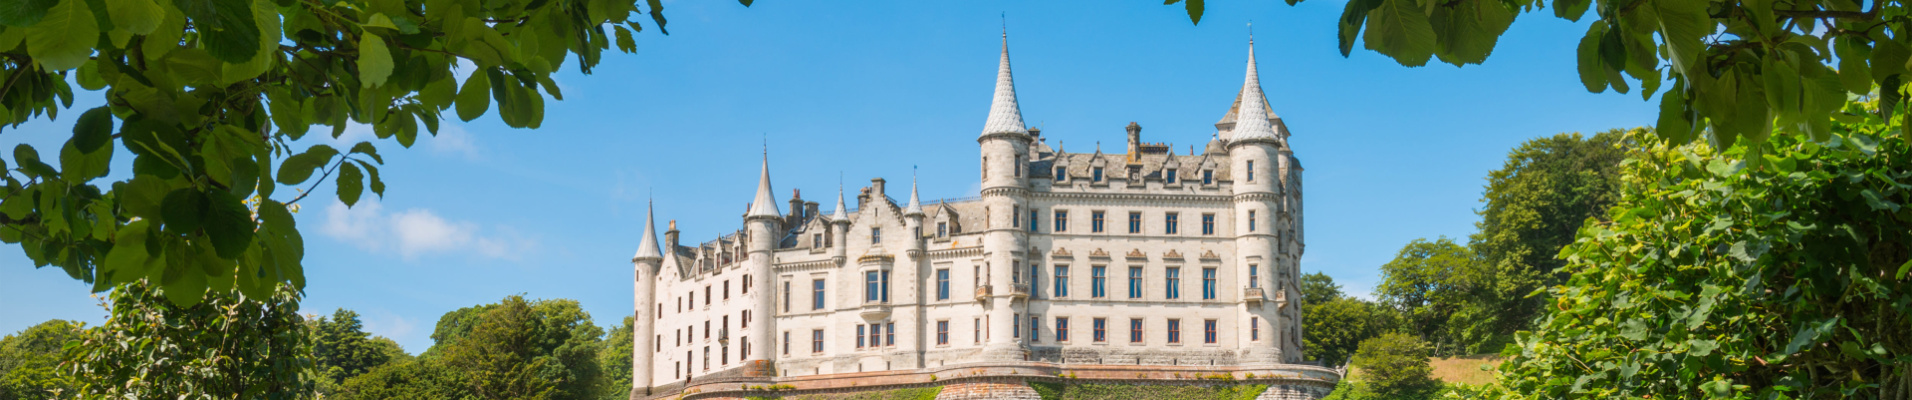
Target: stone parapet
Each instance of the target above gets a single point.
(1285, 381)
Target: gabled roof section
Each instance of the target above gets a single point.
(766, 204)
(1004, 115)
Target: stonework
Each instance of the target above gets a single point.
(1147, 258)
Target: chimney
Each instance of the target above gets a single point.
(796, 207)
(862, 197)
(1035, 132)
(670, 238)
(809, 209)
(1135, 140)
(876, 189)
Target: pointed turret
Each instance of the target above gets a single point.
(1253, 122)
(647, 247)
(765, 205)
(842, 214)
(916, 206)
(1004, 115)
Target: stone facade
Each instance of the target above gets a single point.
(1143, 258)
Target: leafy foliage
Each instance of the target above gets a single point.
(344, 350)
(1335, 323)
(421, 378)
(1430, 283)
(210, 96)
(1317, 288)
(1394, 366)
(1733, 69)
(1720, 277)
(615, 357)
(30, 361)
(229, 346)
(1111, 391)
(514, 349)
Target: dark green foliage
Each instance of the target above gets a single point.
(1317, 288)
(1335, 323)
(1394, 366)
(515, 349)
(421, 378)
(1429, 283)
(228, 346)
(30, 361)
(1100, 391)
(344, 350)
(615, 359)
(1739, 273)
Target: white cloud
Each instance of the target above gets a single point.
(392, 326)
(453, 139)
(418, 232)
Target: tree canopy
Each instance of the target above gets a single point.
(513, 349)
(230, 346)
(30, 361)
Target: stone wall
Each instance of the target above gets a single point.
(1006, 390)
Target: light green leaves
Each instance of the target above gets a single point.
(1400, 29)
(375, 62)
(64, 38)
(475, 97)
(138, 17)
(296, 169)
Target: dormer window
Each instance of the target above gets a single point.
(1169, 175)
(816, 240)
(1208, 177)
(1096, 175)
(1062, 174)
(942, 229)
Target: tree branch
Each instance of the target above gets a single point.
(315, 183)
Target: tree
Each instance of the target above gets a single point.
(1715, 278)
(1428, 283)
(1336, 328)
(30, 361)
(209, 96)
(421, 378)
(342, 349)
(229, 346)
(1395, 366)
(1535, 203)
(1318, 288)
(1737, 69)
(615, 358)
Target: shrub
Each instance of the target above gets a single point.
(1395, 366)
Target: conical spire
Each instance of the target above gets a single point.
(915, 207)
(841, 213)
(766, 204)
(647, 247)
(1004, 115)
(1252, 122)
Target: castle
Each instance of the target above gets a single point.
(1146, 258)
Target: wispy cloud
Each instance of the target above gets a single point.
(419, 232)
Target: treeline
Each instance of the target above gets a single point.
(148, 347)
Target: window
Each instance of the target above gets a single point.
(680, 303)
(1174, 287)
(707, 295)
(746, 284)
(1208, 224)
(870, 289)
(816, 240)
(1095, 222)
(1208, 283)
(1096, 175)
(1135, 222)
(889, 339)
(859, 336)
(1062, 174)
(1208, 177)
(1033, 214)
(1035, 331)
(1170, 175)
(706, 329)
(680, 338)
(1174, 330)
(1208, 331)
(1100, 326)
(1062, 220)
(886, 287)
(675, 370)
(942, 284)
(1251, 170)
(979, 331)
(1097, 278)
(744, 348)
(1254, 276)
(726, 289)
(1035, 271)
(1171, 223)
(1135, 330)
(942, 332)
(706, 358)
(876, 235)
(723, 355)
(816, 340)
(1135, 282)
(786, 296)
(1018, 167)
(1254, 328)
(745, 321)
(1015, 325)
(1015, 216)
(1062, 281)
(786, 343)
(1062, 329)
(942, 229)
(816, 294)
(1251, 220)
(1015, 271)
(693, 299)
(660, 310)
(660, 344)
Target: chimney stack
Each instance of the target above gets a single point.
(670, 239)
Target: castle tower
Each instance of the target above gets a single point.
(1005, 145)
(647, 263)
(839, 229)
(1254, 148)
(763, 226)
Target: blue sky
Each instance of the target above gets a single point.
(869, 89)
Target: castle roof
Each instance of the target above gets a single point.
(1255, 119)
(647, 247)
(1004, 115)
(766, 203)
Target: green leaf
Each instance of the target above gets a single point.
(1399, 29)
(624, 41)
(657, 14)
(351, 184)
(93, 130)
(1808, 334)
(1592, 73)
(1571, 10)
(228, 223)
(1633, 329)
(139, 17)
(378, 185)
(1854, 74)
(1467, 31)
(1683, 24)
(1701, 348)
(226, 27)
(298, 168)
(1906, 268)
(266, 17)
(475, 97)
(64, 39)
(374, 61)
(78, 167)
(1194, 8)
(367, 149)
(183, 211)
(127, 260)
(24, 13)
(1353, 16)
